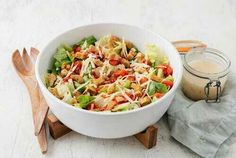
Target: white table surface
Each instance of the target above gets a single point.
(26, 23)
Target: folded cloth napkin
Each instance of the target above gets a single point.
(205, 128)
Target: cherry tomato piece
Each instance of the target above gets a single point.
(168, 83)
(118, 73)
(114, 62)
(143, 80)
(158, 95)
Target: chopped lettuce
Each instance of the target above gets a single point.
(125, 107)
(70, 56)
(67, 47)
(103, 90)
(117, 49)
(160, 73)
(156, 87)
(77, 105)
(46, 80)
(67, 98)
(169, 78)
(151, 88)
(88, 69)
(127, 84)
(64, 92)
(86, 78)
(155, 55)
(62, 89)
(62, 52)
(104, 41)
(62, 56)
(85, 100)
(70, 86)
(81, 87)
(86, 42)
(154, 99)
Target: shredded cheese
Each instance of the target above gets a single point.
(124, 50)
(125, 95)
(139, 65)
(86, 83)
(85, 64)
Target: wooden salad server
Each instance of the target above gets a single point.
(24, 66)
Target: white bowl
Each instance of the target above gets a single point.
(108, 125)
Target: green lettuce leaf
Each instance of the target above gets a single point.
(125, 107)
(86, 42)
(155, 55)
(61, 54)
(85, 100)
(155, 87)
(104, 41)
(67, 47)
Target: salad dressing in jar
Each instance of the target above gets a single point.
(205, 74)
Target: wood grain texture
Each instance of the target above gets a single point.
(42, 139)
(33, 23)
(148, 137)
(24, 67)
(43, 108)
(56, 128)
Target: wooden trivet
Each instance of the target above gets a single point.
(57, 129)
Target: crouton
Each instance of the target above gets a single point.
(98, 62)
(92, 90)
(64, 72)
(145, 100)
(140, 58)
(140, 70)
(51, 79)
(77, 78)
(99, 81)
(111, 104)
(120, 99)
(125, 62)
(129, 44)
(80, 55)
(111, 89)
(131, 54)
(137, 89)
(54, 92)
(156, 78)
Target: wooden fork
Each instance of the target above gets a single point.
(24, 67)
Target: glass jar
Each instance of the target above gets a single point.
(205, 74)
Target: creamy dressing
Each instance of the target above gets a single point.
(193, 86)
(206, 66)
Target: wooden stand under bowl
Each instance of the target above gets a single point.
(57, 129)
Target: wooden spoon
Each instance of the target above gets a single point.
(25, 69)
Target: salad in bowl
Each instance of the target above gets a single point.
(108, 80)
(109, 74)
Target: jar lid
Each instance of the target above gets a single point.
(210, 54)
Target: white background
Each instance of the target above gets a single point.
(26, 23)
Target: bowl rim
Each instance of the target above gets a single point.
(46, 91)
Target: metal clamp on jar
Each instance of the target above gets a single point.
(205, 74)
